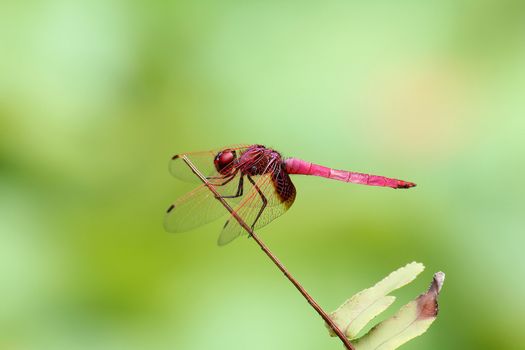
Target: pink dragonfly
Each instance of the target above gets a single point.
(254, 180)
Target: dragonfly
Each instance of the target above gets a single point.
(254, 180)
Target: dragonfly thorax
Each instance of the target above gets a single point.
(258, 160)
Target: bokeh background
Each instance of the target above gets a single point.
(96, 96)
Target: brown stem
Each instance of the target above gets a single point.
(276, 261)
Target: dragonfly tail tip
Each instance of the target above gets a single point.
(405, 184)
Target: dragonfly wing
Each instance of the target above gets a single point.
(279, 192)
(202, 160)
(200, 206)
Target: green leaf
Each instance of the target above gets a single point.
(356, 312)
(410, 321)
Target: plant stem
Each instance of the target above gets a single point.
(276, 261)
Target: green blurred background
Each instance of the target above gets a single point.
(95, 97)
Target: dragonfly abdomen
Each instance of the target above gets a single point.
(301, 167)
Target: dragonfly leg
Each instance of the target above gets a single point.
(263, 197)
(226, 179)
(240, 189)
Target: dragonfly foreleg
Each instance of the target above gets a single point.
(263, 197)
(240, 189)
(226, 179)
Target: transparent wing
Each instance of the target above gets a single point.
(279, 192)
(200, 206)
(202, 160)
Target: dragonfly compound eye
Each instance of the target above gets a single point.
(223, 159)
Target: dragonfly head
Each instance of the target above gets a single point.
(224, 161)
